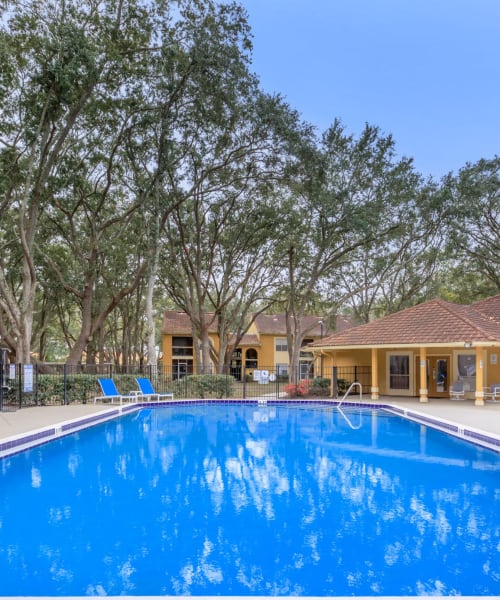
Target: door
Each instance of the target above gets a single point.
(181, 368)
(438, 383)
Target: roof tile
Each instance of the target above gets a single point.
(433, 322)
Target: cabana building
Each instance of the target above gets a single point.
(436, 349)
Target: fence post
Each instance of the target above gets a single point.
(3, 363)
(65, 385)
(335, 389)
(244, 381)
(35, 382)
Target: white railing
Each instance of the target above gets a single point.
(348, 421)
(354, 383)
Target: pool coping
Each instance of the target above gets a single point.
(23, 441)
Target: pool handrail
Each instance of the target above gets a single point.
(348, 391)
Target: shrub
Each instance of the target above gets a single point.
(80, 388)
(298, 390)
(342, 385)
(205, 386)
(320, 387)
(50, 389)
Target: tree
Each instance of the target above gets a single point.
(349, 194)
(473, 223)
(63, 60)
(401, 270)
(199, 82)
(214, 257)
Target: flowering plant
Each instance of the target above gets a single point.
(300, 389)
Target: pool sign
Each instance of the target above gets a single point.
(28, 378)
(261, 376)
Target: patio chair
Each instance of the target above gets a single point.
(492, 393)
(457, 391)
(110, 391)
(146, 389)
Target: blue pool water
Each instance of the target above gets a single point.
(245, 500)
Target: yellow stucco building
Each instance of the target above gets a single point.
(263, 347)
(427, 351)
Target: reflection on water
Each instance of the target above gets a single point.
(240, 500)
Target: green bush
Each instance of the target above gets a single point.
(125, 383)
(80, 388)
(342, 385)
(204, 386)
(50, 389)
(320, 386)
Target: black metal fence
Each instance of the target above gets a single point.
(49, 384)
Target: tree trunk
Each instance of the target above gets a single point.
(150, 317)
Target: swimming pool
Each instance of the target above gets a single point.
(239, 499)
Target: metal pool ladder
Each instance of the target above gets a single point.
(349, 389)
(348, 421)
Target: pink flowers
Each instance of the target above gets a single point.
(300, 389)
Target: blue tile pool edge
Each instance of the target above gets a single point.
(469, 434)
(20, 442)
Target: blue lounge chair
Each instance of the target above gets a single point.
(110, 391)
(146, 389)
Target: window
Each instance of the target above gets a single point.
(305, 352)
(399, 372)
(182, 346)
(181, 368)
(466, 370)
(281, 345)
(282, 371)
(251, 359)
(466, 365)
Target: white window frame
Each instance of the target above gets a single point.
(411, 374)
(282, 342)
(469, 381)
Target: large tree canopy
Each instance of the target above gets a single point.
(141, 165)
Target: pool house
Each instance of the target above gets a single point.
(436, 349)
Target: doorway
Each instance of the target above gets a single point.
(438, 376)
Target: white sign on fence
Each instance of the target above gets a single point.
(28, 378)
(264, 377)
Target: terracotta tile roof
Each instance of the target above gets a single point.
(177, 322)
(249, 339)
(276, 325)
(433, 322)
(342, 323)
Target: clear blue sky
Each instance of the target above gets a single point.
(426, 71)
